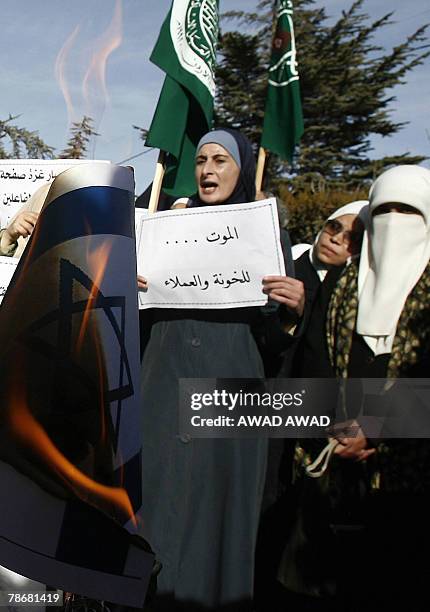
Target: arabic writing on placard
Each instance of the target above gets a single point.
(214, 257)
(13, 198)
(215, 237)
(217, 279)
(30, 174)
(220, 239)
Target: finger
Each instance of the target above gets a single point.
(24, 228)
(142, 283)
(20, 232)
(284, 295)
(353, 447)
(282, 299)
(273, 277)
(341, 451)
(283, 282)
(29, 216)
(350, 453)
(281, 290)
(364, 454)
(278, 278)
(339, 448)
(291, 290)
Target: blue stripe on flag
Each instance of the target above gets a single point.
(83, 212)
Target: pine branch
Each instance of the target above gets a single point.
(81, 134)
(22, 142)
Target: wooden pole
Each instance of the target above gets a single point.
(157, 182)
(260, 169)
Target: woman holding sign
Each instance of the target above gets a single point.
(201, 497)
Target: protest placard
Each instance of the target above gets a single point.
(209, 257)
(20, 178)
(139, 214)
(7, 270)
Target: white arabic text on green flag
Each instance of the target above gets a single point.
(283, 118)
(186, 51)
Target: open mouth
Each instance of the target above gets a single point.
(208, 187)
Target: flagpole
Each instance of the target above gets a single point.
(260, 169)
(157, 182)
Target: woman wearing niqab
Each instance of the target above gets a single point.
(372, 320)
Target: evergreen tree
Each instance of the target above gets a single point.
(21, 142)
(143, 132)
(81, 133)
(241, 84)
(345, 79)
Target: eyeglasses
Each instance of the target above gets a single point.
(334, 227)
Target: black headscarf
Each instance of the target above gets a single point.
(244, 190)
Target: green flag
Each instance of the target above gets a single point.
(186, 51)
(283, 119)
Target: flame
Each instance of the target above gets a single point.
(29, 431)
(60, 72)
(102, 382)
(96, 73)
(97, 262)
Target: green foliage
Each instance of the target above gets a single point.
(307, 210)
(17, 142)
(20, 142)
(239, 73)
(345, 79)
(81, 133)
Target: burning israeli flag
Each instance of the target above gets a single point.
(69, 374)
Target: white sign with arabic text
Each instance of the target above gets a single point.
(209, 257)
(7, 270)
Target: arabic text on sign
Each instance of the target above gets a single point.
(217, 279)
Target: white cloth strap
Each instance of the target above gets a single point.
(322, 460)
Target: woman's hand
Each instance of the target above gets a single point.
(286, 290)
(353, 445)
(142, 283)
(22, 225)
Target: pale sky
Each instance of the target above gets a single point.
(33, 33)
